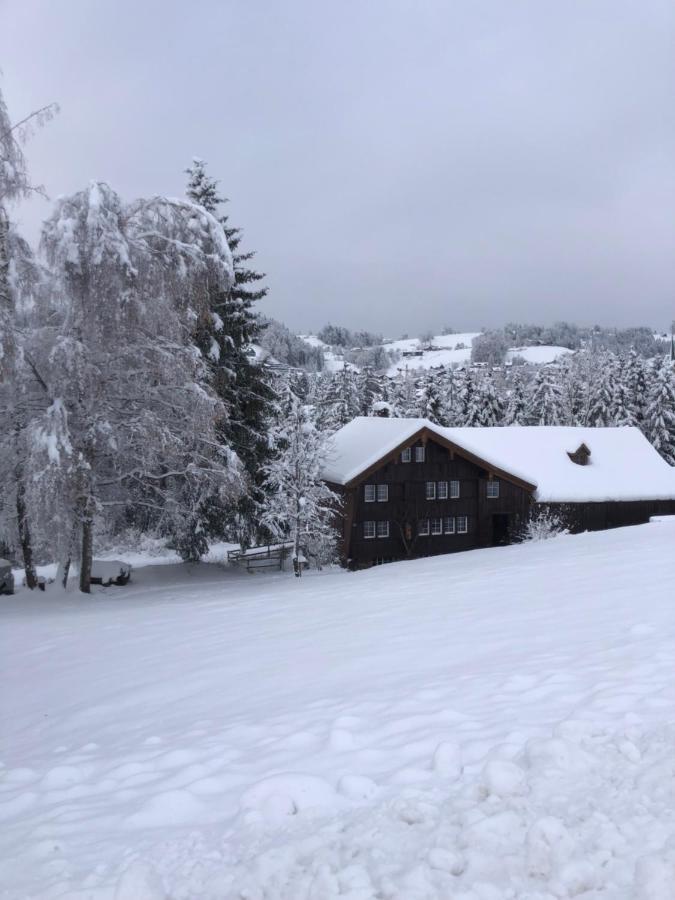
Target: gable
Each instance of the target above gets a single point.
(414, 431)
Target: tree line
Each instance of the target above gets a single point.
(588, 388)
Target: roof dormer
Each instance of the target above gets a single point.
(580, 456)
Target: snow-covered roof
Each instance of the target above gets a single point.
(623, 465)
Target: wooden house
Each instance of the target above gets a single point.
(411, 488)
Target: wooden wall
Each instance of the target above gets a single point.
(609, 514)
(407, 504)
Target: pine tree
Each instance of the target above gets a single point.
(601, 393)
(224, 336)
(635, 379)
(516, 405)
(342, 403)
(299, 506)
(660, 411)
(621, 413)
(545, 402)
(430, 404)
(490, 407)
(471, 414)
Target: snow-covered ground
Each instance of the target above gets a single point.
(449, 350)
(333, 362)
(490, 725)
(539, 355)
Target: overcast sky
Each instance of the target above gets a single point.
(397, 165)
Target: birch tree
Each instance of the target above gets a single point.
(132, 421)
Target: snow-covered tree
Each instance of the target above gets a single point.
(515, 412)
(225, 335)
(132, 417)
(545, 402)
(635, 380)
(471, 413)
(490, 408)
(429, 399)
(19, 279)
(299, 505)
(601, 391)
(660, 412)
(340, 402)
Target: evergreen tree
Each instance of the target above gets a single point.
(545, 401)
(660, 411)
(340, 401)
(601, 393)
(621, 411)
(430, 404)
(224, 336)
(490, 406)
(471, 414)
(516, 405)
(635, 380)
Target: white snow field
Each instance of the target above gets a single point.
(490, 725)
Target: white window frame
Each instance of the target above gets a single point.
(436, 526)
(448, 524)
(442, 490)
(430, 490)
(454, 490)
(367, 527)
(423, 527)
(382, 493)
(492, 491)
(459, 520)
(383, 528)
(420, 454)
(369, 493)
(406, 455)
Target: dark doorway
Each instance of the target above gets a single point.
(500, 529)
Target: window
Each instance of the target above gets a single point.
(382, 493)
(493, 490)
(454, 490)
(449, 525)
(423, 527)
(431, 490)
(369, 530)
(442, 490)
(419, 454)
(369, 493)
(383, 529)
(462, 524)
(406, 455)
(437, 526)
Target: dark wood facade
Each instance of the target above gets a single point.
(489, 520)
(608, 514)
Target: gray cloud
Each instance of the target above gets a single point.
(397, 165)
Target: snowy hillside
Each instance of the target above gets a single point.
(495, 724)
(440, 350)
(539, 354)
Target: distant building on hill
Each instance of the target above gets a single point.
(411, 488)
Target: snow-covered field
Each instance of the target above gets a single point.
(546, 353)
(449, 350)
(490, 725)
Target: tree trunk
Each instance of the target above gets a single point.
(24, 535)
(297, 568)
(63, 571)
(87, 553)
